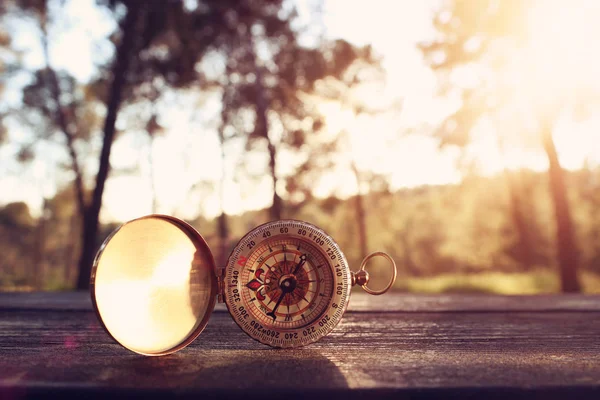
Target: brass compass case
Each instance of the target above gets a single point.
(154, 284)
(287, 283)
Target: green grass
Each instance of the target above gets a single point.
(534, 282)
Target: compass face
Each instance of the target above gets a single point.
(287, 283)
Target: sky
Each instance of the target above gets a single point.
(183, 157)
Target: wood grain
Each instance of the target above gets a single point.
(390, 346)
(360, 302)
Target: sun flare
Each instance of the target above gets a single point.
(549, 71)
(560, 50)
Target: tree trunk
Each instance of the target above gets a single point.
(223, 239)
(223, 228)
(40, 248)
(525, 254)
(62, 119)
(152, 174)
(409, 262)
(360, 215)
(525, 250)
(276, 207)
(91, 220)
(263, 127)
(69, 258)
(568, 255)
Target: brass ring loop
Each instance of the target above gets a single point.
(392, 263)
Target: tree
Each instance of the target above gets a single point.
(224, 136)
(272, 76)
(511, 84)
(54, 103)
(169, 41)
(119, 71)
(139, 29)
(366, 69)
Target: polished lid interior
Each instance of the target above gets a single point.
(154, 284)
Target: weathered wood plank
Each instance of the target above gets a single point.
(374, 352)
(360, 301)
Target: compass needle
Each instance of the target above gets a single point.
(272, 313)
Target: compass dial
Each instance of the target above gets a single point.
(287, 283)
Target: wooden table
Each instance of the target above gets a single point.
(392, 346)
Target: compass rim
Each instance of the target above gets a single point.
(347, 288)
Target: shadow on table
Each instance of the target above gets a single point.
(231, 369)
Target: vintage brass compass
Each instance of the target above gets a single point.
(154, 284)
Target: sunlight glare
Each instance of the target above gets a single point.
(558, 54)
(553, 70)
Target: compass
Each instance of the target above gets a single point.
(286, 284)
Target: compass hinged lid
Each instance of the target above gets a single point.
(154, 284)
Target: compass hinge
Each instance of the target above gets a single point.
(220, 285)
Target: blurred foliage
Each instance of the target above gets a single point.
(485, 234)
(490, 41)
(163, 47)
(452, 238)
(513, 283)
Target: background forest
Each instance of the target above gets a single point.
(462, 137)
